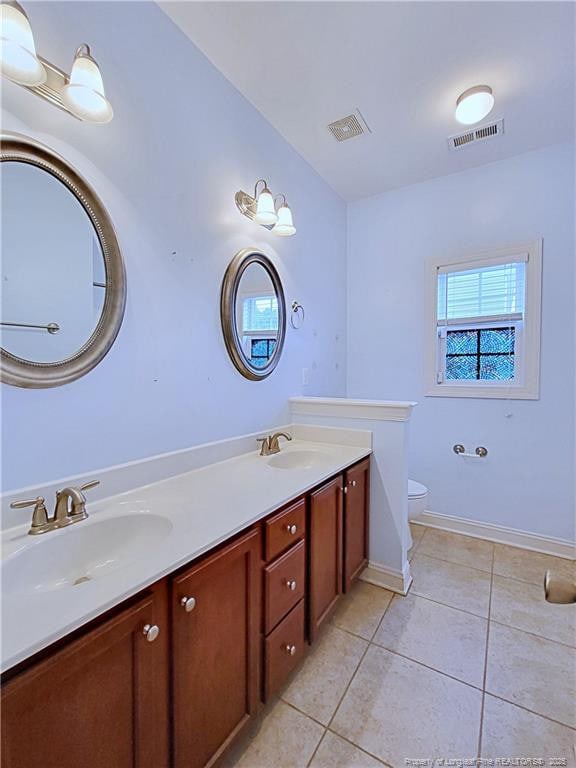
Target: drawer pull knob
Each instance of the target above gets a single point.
(151, 632)
(352, 483)
(290, 649)
(291, 528)
(291, 584)
(188, 603)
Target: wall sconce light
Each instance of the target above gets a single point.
(261, 208)
(81, 94)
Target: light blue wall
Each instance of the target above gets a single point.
(182, 142)
(527, 482)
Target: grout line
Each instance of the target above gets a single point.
(479, 755)
(313, 755)
(533, 634)
(446, 605)
(361, 749)
(301, 711)
(452, 562)
(531, 711)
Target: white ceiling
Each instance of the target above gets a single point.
(306, 64)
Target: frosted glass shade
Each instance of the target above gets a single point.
(84, 93)
(474, 104)
(285, 226)
(18, 60)
(265, 211)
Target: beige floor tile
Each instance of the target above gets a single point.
(512, 732)
(532, 672)
(464, 550)
(441, 637)
(285, 738)
(322, 680)
(529, 566)
(451, 584)
(396, 709)
(360, 611)
(334, 752)
(417, 533)
(524, 606)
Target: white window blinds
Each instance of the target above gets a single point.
(489, 293)
(260, 313)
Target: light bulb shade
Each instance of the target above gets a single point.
(18, 59)
(84, 93)
(285, 226)
(265, 211)
(474, 104)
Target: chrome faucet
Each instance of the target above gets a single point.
(270, 444)
(64, 514)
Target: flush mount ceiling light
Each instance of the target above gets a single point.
(261, 208)
(81, 95)
(474, 104)
(19, 61)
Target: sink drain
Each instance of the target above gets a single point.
(81, 580)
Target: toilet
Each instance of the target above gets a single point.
(417, 495)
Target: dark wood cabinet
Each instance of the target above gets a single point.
(356, 509)
(325, 552)
(169, 679)
(215, 640)
(100, 701)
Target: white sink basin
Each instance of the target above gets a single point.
(298, 459)
(86, 551)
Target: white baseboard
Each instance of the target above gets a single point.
(388, 578)
(498, 533)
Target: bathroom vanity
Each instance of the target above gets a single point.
(172, 675)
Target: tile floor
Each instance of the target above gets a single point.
(472, 663)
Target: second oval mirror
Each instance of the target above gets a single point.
(253, 314)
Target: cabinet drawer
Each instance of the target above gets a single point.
(283, 650)
(284, 583)
(284, 529)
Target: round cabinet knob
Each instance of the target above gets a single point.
(188, 603)
(292, 529)
(291, 584)
(353, 483)
(290, 649)
(151, 632)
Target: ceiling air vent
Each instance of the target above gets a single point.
(474, 135)
(348, 127)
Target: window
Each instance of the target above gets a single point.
(259, 328)
(486, 325)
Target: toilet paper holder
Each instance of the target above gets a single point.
(479, 453)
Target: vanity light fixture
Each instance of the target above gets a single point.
(474, 104)
(19, 61)
(81, 94)
(284, 226)
(262, 209)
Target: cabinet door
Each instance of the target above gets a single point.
(100, 701)
(356, 508)
(325, 552)
(215, 633)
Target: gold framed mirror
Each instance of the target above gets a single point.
(63, 277)
(253, 314)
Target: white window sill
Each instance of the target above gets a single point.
(495, 392)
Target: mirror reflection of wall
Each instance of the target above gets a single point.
(52, 266)
(257, 315)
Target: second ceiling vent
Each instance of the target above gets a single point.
(474, 135)
(348, 127)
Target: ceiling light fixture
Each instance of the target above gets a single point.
(474, 104)
(262, 209)
(81, 94)
(19, 61)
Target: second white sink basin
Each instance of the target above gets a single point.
(86, 551)
(298, 459)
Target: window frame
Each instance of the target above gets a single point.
(526, 384)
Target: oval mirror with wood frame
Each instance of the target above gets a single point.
(63, 278)
(253, 314)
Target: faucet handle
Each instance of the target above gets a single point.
(40, 515)
(91, 484)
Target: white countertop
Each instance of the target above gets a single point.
(204, 507)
